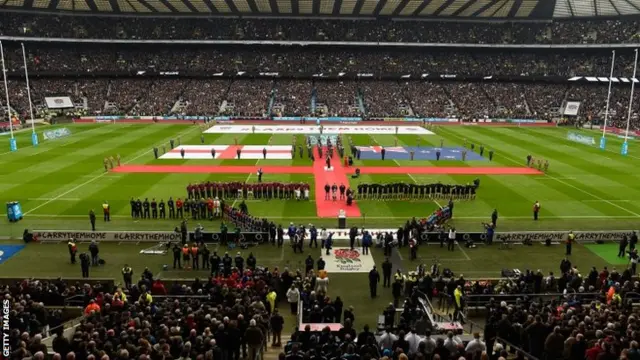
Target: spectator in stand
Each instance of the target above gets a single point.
(340, 99)
(383, 99)
(581, 31)
(249, 98)
(292, 98)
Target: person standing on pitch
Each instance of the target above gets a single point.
(386, 272)
(413, 248)
(127, 276)
(176, 257)
(84, 265)
(633, 257)
(145, 207)
(182, 152)
(374, 279)
(494, 217)
(622, 247)
(172, 208)
(106, 209)
(202, 138)
(73, 250)
(570, 239)
(264, 153)
(154, 208)
(213, 153)
(92, 219)
(452, 239)
(382, 153)
(94, 251)
(161, 206)
(132, 203)
(536, 210)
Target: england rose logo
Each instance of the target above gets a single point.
(347, 256)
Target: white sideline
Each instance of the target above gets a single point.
(567, 184)
(50, 148)
(97, 177)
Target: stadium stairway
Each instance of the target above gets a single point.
(273, 352)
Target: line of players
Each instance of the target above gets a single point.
(537, 163)
(418, 191)
(110, 162)
(199, 208)
(319, 145)
(331, 193)
(235, 190)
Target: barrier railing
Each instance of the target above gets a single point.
(75, 300)
(479, 301)
(515, 348)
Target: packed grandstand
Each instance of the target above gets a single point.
(267, 80)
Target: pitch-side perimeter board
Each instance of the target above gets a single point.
(326, 130)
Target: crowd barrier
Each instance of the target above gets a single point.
(518, 237)
(514, 237)
(44, 236)
(480, 301)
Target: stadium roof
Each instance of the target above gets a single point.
(470, 9)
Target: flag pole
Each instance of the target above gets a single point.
(12, 140)
(625, 145)
(34, 136)
(603, 141)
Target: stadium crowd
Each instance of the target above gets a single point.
(372, 99)
(124, 59)
(234, 314)
(547, 32)
(368, 97)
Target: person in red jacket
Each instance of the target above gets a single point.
(158, 288)
(179, 205)
(210, 208)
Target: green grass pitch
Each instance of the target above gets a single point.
(59, 181)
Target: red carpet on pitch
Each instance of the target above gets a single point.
(330, 208)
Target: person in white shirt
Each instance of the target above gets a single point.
(386, 340)
(323, 237)
(452, 343)
(297, 192)
(475, 345)
(306, 194)
(216, 207)
(293, 296)
(452, 239)
(322, 283)
(429, 344)
(414, 341)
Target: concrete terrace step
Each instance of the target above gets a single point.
(273, 352)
